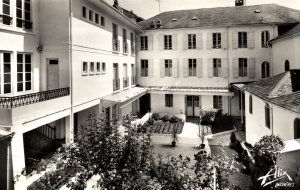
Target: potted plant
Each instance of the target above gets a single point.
(174, 136)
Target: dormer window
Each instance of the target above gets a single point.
(194, 18)
(174, 20)
(158, 24)
(257, 11)
(152, 24)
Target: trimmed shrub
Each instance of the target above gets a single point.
(155, 116)
(174, 119)
(207, 118)
(165, 118)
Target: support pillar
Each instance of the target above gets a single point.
(69, 130)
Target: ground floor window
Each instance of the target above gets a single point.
(267, 116)
(217, 101)
(297, 128)
(169, 100)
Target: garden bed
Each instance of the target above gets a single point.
(166, 127)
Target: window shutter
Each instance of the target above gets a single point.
(199, 67)
(185, 41)
(209, 40)
(210, 67)
(161, 41)
(174, 42)
(224, 40)
(251, 62)
(185, 67)
(251, 40)
(199, 41)
(139, 68)
(162, 67)
(150, 68)
(224, 66)
(235, 67)
(150, 42)
(235, 40)
(175, 68)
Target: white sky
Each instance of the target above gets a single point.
(149, 8)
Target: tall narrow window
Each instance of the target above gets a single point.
(217, 102)
(132, 43)
(216, 40)
(265, 37)
(192, 67)
(97, 18)
(168, 42)
(217, 67)
(27, 15)
(265, 69)
(102, 21)
(125, 44)
(24, 78)
(267, 116)
(169, 100)
(242, 39)
(6, 18)
(144, 42)
(144, 68)
(297, 128)
(19, 13)
(84, 12)
(168, 67)
(250, 104)
(287, 65)
(191, 41)
(84, 68)
(243, 67)
(91, 15)
(92, 68)
(6, 73)
(115, 40)
(125, 76)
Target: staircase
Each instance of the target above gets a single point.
(240, 129)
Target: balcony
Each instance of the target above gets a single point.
(5, 19)
(125, 48)
(116, 84)
(116, 45)
(125, 82)
(133, 80)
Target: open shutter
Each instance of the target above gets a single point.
(162, 67)
(234, 40)
(139, 67)
(185, 66)
(150, 42)
(224, 40)
(150, 68)
(251, 65)
(224, 66)
(199, 40)
(185, 41)
(199, 67)
(161, 41)
(210, 67)
(235, 67)
(209, 40)
(251, 40)
(174, 42)
(175, 68)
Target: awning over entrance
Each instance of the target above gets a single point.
(124, 97)
(219, 91)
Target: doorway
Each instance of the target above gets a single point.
(145, 104)
(192, 106)
(52, 74)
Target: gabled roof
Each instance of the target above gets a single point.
(290, 102)
(223, 16)
(295, 30)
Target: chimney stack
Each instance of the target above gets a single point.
(116, 4)
(240, 3)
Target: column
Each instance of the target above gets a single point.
(69, 130)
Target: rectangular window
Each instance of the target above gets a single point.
(102, 21)
(115, 41)
(24, 72)
(91, 15)
(19, 13)
(242, 67)
(97, 18)
(192, 67)
(132, 43)
(265, 37)
(6, 18)
(217, 101)
(84, 12)
(103, 68)
(5, 75)
(84, 69)
(169, 100)
(168, 67)
(144, 42)
(217, 67)
(216, 40)
(23, 14)
(242, 39)
(191, 41)
(98, 68)
(167, 42)
(125, 44)
(92, 68)
(144, 68)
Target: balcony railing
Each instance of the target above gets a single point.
(133, 80)
(116, 84)
(17, 101)
(125, 48)
(5, 19)
(125, 82)
(116, 45)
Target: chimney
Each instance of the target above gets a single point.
(116, 4)
(240, 3)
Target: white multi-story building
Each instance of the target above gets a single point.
(187, 59)
(60, 61)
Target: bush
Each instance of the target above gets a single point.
(165, 118)
(155, 116)
(174, 119)
(207, 117)
(232, 137)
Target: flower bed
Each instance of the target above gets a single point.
(166, 127)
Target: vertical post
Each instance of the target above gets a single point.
(69, 130)
(215, 180)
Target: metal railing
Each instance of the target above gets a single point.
(116, 84)
(133, 80)
(116, 45)
(17, 101)
(5, 19)
(125, 82)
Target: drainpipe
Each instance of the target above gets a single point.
(228, 80)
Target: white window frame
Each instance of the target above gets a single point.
(2, 72)
(24, 81)
(192, 41)
(83, 72)
(217, 40)
(168, 67)
(168, 42)
(144, 43)
(265, 37)
(242, 40)
(192, 70)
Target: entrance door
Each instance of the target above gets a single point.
(52, 74)
(192, 106)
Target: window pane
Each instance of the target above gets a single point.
(7, 88)
(28, 76)
(19, 68)
(7, 78)
(27, 67)
(6, 10)
(28, 86)
(19, 13)
(27, 16)
(27, 6)
(19, 3)
(6, 57)
(20, 77)
(6, 68)
(27, 58)
(20, 87)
